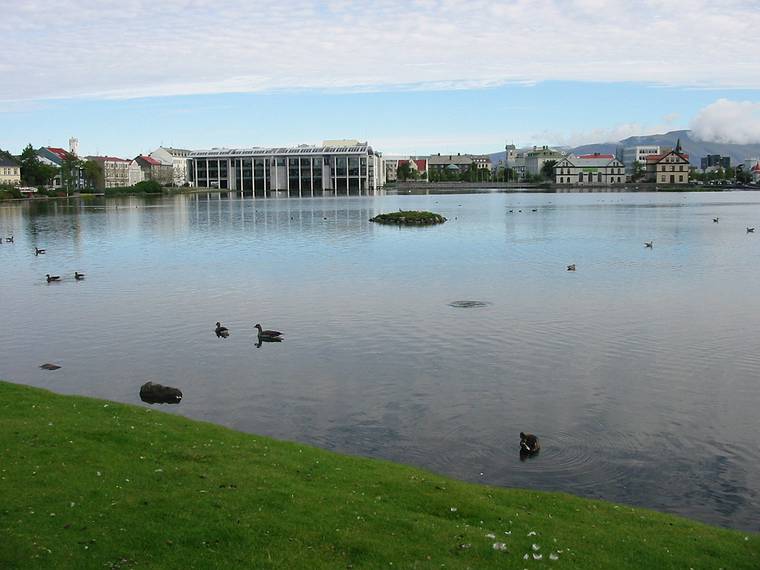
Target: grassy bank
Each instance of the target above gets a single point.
(91, 484)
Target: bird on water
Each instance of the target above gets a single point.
(648, 244)
(51, 278)
(750, 230)
(38, 251)
(268, 334)
(571, 267)
(529, 443)
(78, 276)
(221, 332)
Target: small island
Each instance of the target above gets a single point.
(409, 218)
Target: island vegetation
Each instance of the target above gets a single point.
(88, 483)
(409, 218)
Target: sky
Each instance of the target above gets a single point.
(413, 76)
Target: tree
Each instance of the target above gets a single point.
(92, 172)
(547, 169)
(638, 171)
(71, 170)
(404, 171)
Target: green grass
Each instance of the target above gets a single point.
(86, 483)
(409, 217)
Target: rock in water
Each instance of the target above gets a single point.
(157, 394)
(48, 366)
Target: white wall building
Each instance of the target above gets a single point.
(590, 170)
(178, 158)
(633, 154)
(354, 169)
(535, 158)
(134, 173)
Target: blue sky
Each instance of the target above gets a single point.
(449, 76)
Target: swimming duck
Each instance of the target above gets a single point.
(571, 267)
(715, 220)
(648, 244)
(750, 230)
(38, 251)
(51, 278)
(78, 276)
(267, 334)
(221, 332)
(529, 443)
(9, 239)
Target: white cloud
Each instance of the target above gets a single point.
(727, 121)
(142, 48)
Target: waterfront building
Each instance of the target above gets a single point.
(416, 164)
(153, 169)
(178, 158)
(634, 154)
(755, 172)
(10, 172)
(456, 163)
(589, 170)
(56, 156)
(535, 158)
(114, 172)
(347, 168)
(713, 162)
(134, 173)
(482, 161)
(671, 167)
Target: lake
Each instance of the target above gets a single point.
(639, 371)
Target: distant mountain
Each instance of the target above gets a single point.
(695, 148)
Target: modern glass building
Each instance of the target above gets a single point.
(350, 170)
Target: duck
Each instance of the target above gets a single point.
(715, 220)
(529, 443)
(267, 334)
(78, 276)
(648, 244)
(9, 239)
(750, 230)
(571, 267)
(38, 251)
(51, 278)
(221, 332)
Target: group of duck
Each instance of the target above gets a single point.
(51, 278)
(650, 244)
(264, 335)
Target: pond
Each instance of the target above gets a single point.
(433, 346)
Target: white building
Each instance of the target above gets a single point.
(178, 158)
(134, 173)
(633, 154)
(354, 169)
(535, 158)
(590, 170)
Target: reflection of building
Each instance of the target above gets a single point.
(714, 162)
(153, 169)
(634, 154)
(590, 170)
(671, 167)
(114, 172)
(353, 168)
(10, 172)
(178, 158)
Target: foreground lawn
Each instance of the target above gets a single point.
(91, 484)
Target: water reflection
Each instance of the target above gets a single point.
(638, 356)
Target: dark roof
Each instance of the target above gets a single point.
(5, 161)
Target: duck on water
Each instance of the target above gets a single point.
(529, 443)
(221, 332)
(268, 335)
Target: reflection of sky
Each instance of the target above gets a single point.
(638, 370)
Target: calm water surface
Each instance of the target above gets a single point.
(639, 371)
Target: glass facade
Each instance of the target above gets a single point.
(296, 172)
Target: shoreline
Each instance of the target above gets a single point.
(87, 482)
